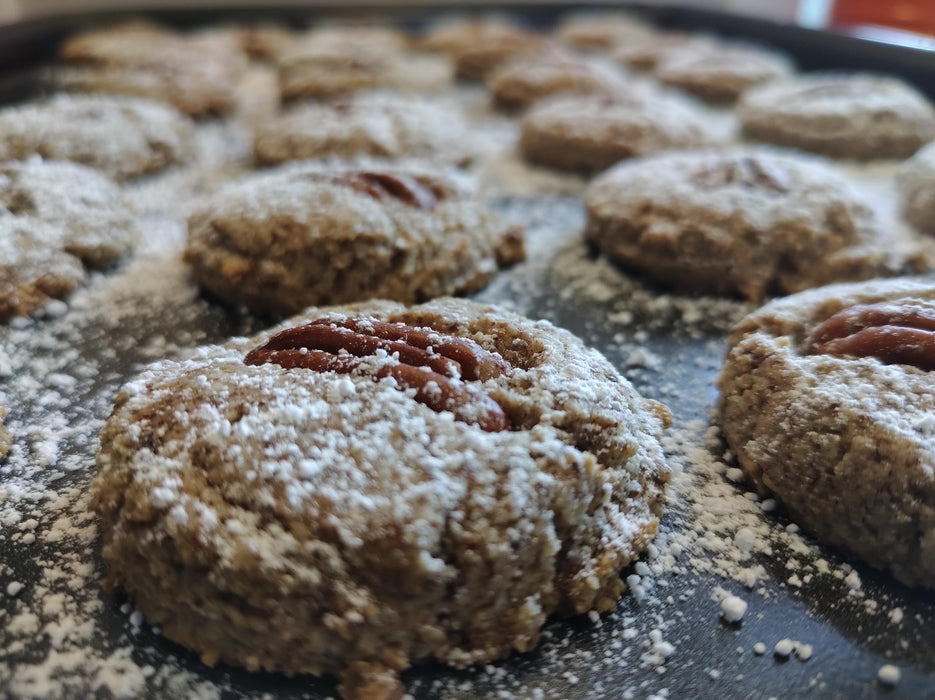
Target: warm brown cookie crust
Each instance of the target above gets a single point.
(749, 222)
(845, 443)
(55, 220)
(917, 189)
(197, 74)
(592, 133)
(316, 234)
(379, 124)
(312, 522)
(842, 115)
(121, 136)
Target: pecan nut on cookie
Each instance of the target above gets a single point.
(826, 400)
(369, 486)
(313, 233)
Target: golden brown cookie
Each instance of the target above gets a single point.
(314, 233)
(748, 222)
(645, 51)
(479, 46)
(826, 401)
(601, 30)
(436, 492)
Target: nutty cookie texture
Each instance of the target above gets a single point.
(197, 74)
(750, 222)
(826, 400)
(380, 124)
(121, 136)
(330, 501)
(842, 115)
(916, 183)
(313, 233)
(56, 219)
(592, 133)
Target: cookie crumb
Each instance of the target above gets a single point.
(733, 608)
(783, 648)
(889, 675)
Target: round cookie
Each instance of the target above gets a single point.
(314, 233)
(842, 115)
(520, 82)
(751, 222)
(342, 60)
(720, 71)
(592, 133)
(309, 521)
(121, 136)
(55, 220)
(644, 52)
(197, 74)
(601, 30)
(916, 182)
(367, 124)
(826, 400)
(477, 47)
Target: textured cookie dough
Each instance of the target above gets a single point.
(842, 115)
(313, 522)
(751, 222)
(367, 124)
(477, 47)
(720, 72)
(197, 74)
(522, 81)
(326, 234)
(55, 220)
(845, 443)
(917, 189)
(342, 60)
(592, 133)
(601, 30)
(121, 136)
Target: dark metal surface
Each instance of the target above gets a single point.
(850, 644)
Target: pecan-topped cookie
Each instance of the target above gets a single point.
(826, 400)
(197, 74)
(748, 222)
(843, 115)
(56, 219)
(313, 233)
(370, 486)
(121, 136)
(380, 124)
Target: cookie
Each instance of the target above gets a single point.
(601, 30)
(751, 222)
(197, 74)
(342, 60)
(592, 133)
(916, 183)
(316, 233)
(520, 82)
(121, 136)
(367, 124)
(645, 51)
(312, 512)
(841, 115)
(479, 46)
(720, 71)
(56, 219)
(826, 401)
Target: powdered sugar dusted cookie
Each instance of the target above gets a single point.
(522, 81)
(56, 219)
(917, 189)
(121, 136)
(593, 133)
(601, 30)
(826, 400)
(341, 60)
(479, 46)
(720, 71)
(197, 74)
(645, 51)
(844, 115)
(434, 493)
(367, 124)
(750, 222)
(317, 233)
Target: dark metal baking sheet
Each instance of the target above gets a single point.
(578, 657)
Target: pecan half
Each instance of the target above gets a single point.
(896, 332)
(383, 186)
(432, 363)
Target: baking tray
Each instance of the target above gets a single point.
(664, 640)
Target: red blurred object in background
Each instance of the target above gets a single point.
(908, 15)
